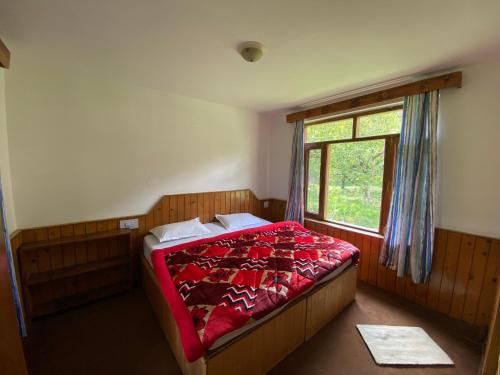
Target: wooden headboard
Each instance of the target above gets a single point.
(180, 207)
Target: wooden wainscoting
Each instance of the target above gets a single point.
(275, 210)
(173, 208)
(464, 276)
(462, 284)
(169, 209)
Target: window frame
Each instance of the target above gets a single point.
(391, 144)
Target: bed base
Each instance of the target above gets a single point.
(258, 350)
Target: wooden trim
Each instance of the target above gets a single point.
(490, 361)
(306, 175)
(4, 55)
(360, 113)
(348, 140)
(391, 145)
(268, 342)
(307, 149)
(71, 240)
(354, 127)
(430, 84)
(329, 119)
(347, 226)
(323, 191)
(324, 167)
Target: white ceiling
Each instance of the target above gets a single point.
(314, 48)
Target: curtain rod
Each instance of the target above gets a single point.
(349, 94)
(430, 84)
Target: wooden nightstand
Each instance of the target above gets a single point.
(66, 272)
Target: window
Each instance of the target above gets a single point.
(349, 166)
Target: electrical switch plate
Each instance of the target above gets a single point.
(129, 224)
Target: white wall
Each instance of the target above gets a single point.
(469, 153)
(83, 148)
(468, 197)
(280, 152)
(4, 161)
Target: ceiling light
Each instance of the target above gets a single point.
(251, 51)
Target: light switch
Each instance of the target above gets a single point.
(129, 224)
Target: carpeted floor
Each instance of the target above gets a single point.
(121, 336)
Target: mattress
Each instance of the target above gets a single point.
(151, 243)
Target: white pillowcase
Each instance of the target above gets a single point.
(236, 221)
(182, 229)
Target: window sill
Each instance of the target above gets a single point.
(345, 228)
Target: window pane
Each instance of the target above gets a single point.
(329, 131)
(313, 180)
(356, 172)
(380, 123)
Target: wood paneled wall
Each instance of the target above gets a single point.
(464, 276)
(173, 208)
(65, 272)
(275, 211)
(465, 268)
(170, 208)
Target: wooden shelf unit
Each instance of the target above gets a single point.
(66, 272)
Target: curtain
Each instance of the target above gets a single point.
(409, 237)
(295, 203)
(16, 297)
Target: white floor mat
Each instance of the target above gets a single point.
(402, 346)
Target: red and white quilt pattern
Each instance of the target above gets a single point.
(225, 281)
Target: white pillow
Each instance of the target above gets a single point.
(236, 221)
(182, 229)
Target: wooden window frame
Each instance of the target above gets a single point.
(391, 145)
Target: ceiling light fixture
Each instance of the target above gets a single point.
(251, 51)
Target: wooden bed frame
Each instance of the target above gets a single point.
(259, 349)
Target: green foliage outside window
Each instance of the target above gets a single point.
(313, 180)
(329, 131)
(355, 183)
(356, 169)
(380, 124)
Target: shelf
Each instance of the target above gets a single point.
(79, 269)
(78, 299)
(75, 239)
(52, 270)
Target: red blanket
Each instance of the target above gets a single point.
(215, 286)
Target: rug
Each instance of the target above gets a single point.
(402, 346)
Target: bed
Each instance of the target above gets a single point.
(211, 332)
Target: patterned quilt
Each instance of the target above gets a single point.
(215, 286)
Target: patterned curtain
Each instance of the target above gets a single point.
(295, 203)
(409, 236)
